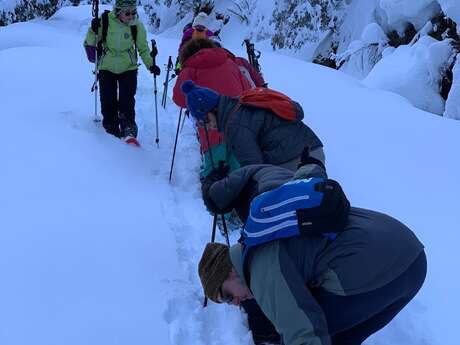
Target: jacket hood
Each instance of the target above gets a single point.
(207, 58)
(298, 110)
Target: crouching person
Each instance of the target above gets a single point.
(260, 126)
(336, 285)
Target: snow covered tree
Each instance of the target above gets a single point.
(298, 21)
(30, 9)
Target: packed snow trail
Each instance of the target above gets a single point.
(96, 247)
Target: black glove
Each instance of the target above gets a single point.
(218, 174)
(95, 25)
(155, 70)
(214, 176)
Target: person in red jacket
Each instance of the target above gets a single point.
(215, 68)
(209, 66)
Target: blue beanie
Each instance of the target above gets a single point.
(200, 100)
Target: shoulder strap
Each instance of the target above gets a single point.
(230, 116)
(134, 35)
(105, 25)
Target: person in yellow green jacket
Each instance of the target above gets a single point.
(117, 64)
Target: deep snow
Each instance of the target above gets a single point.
(96, 247)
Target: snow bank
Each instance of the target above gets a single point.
(97, 247)
(401, 12)
(414, 72)
(453, 101)
(452, 9)
(362, 55)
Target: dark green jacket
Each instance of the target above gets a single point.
(119, 52)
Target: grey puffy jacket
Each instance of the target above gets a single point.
(258, 136)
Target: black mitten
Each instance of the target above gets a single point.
(215, 175)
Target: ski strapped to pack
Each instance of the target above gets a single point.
(253, 55)
(313, 206)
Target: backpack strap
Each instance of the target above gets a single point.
(105, 27)
(230, 116)
(134, 36)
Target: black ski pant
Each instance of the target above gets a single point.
(117, 102)
(352, 319)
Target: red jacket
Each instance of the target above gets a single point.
(213, 68)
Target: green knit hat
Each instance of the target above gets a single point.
(214, 268)
(125, 4)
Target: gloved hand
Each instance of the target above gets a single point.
(155, 70)
(95, 25)
(215, 175)
(307, 159)
(219, 173)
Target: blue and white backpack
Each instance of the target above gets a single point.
(310, 206)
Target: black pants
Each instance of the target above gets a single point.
(117, 102)
(352, 319)
(261, 327)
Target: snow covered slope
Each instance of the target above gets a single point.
(96, 247)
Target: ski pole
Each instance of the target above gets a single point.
(183, 120)
(154, 54)
(165, 84)
(213, 239)
(95, 87)
(224, 223)
(209, 146)
(214, 224)
(175, 145)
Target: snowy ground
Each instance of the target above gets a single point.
(97, 247)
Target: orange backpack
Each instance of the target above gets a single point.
(275, 101)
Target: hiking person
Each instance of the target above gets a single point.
(212, 67)
(269, 177)
(121, 35)
(267, 129)
(314, 288)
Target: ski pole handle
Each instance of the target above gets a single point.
(154, 51)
